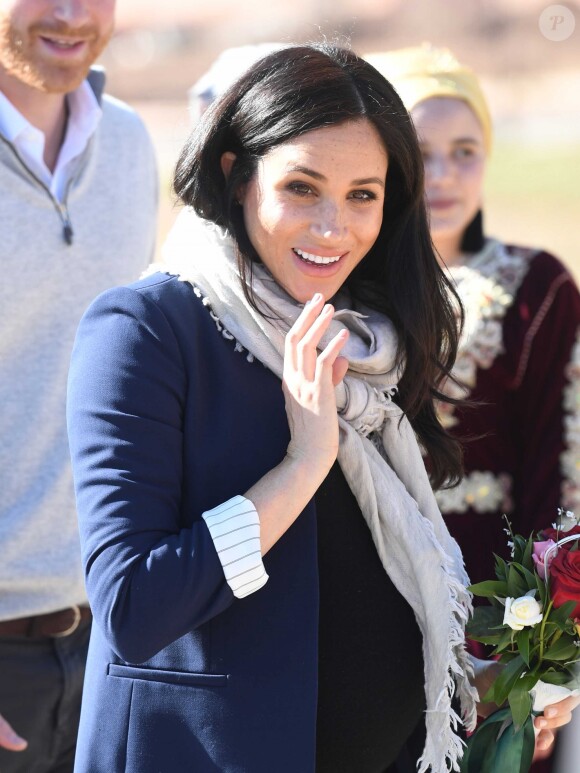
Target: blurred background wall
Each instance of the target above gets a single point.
(532, 81)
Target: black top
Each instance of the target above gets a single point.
(370, 680)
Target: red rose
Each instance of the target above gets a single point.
(565, 579)
(553, 534)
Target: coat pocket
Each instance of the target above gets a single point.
(185, 678)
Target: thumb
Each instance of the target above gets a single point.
(9, 739)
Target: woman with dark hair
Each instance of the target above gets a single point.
(273, 587)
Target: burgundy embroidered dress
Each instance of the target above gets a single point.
(520, 360)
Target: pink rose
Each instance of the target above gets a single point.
(539, 554)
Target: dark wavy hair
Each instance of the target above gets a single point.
(306, 87)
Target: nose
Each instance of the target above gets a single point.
(75, 12)
(328, 222)
(438, 168)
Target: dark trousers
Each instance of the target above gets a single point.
(41, 683)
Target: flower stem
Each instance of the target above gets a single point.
(543, 628)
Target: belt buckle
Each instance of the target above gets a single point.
(73, 626)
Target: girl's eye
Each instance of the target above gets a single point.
(464, 152)
(363, 195)
(302, 189)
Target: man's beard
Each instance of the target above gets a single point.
(20, 57)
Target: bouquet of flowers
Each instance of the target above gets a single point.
(533, 623)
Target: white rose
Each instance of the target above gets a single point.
(522, 612)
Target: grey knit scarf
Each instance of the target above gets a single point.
(378, 454)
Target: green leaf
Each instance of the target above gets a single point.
(515, 749)
(512, 752)
(477, 755)
(520, 700)
(523, 642)
(489, 589)
(516, 585)
(561, 615)
(527, 560)
(501, 568)
(504, 683)
(505, 639)
(520, 545)
(557, 677)
(528, 577)
(483, 619)
(563, 649)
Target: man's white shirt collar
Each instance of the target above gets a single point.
(84, 114)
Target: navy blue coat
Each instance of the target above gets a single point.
(167, 420)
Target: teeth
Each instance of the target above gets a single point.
(62, 43)
(316, 258)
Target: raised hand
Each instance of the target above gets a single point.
(308, 382)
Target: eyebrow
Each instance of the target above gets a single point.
(457, 141)
(317, 176)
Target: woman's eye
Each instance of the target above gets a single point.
(363, 195)
(302, 189)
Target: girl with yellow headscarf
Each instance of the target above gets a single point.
(519, 359)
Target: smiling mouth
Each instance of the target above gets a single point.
(309, 257)
(62, 43)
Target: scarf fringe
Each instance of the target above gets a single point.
(443, 721)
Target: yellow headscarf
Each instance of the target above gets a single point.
(423, 72)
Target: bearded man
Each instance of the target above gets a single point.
(78, 214)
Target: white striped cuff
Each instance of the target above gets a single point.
(235, 529)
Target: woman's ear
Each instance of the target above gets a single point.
(227, 162)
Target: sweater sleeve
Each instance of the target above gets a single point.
(149, 579)
(549, 450)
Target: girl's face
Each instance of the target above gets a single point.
(314, 207)
(452, 144)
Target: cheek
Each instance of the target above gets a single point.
(473, 180)
(371, 228)
(273, 218)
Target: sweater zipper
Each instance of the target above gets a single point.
(60, 206)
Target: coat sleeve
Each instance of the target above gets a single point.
(546, 414)
(149, 579)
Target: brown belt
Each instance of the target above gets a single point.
(52, 625)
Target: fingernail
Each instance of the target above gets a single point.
(316, 298)
(541, 723)
(550, 713)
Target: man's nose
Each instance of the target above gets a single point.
(75, 12)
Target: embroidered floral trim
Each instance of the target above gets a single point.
(487, 287)
(570, 458)
(483, 492)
